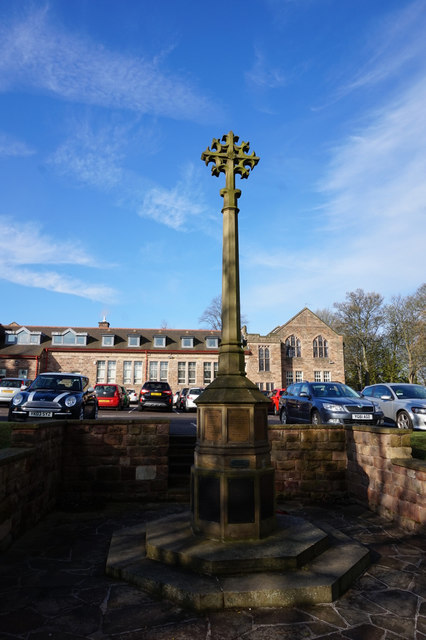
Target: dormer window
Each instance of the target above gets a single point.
(133, 341)
(69, 337)
(23, 336)
(108, 341)
(160, 342)
(212, 342)
(187, 342)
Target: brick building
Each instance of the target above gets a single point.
(303, 348)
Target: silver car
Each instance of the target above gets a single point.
(9, 387)
(402, 404)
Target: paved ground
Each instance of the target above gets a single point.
(53, 587)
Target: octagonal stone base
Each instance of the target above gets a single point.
(299, 563)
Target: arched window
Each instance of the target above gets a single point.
(264, 359)
(292, 347)
(320, 347)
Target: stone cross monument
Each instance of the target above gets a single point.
(232, 482)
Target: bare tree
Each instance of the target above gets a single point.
(212, 315)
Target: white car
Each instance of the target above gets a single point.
(192, 395)
(133, 396)
(402, 404)
(9, 387)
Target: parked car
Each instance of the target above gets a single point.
(133, 396)
(193, 393)
(156, 395)
(275, 399)
(111, 396)
(55, 395)
(267, 394)
(180, 401)
(10, 387)
(327, 403)
(403, 405)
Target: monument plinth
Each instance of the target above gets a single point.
(232, 483)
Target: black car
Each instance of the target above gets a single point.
(327, 403)
(55, 395)
(180, 402)
(156, 395)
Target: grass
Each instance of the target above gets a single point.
(5, 431)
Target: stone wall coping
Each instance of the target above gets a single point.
(410, 463)
(305, 426)
(9, 454)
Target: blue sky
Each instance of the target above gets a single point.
(106, 207)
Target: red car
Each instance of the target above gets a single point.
(275, 399)
(111, 395)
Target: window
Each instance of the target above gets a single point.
(2, 373)
(127, 372)
(260, 385)
(191, 372)
(212, 342)
(133, 341)
(187, 343)
(69, 337)
(292, 347)
(22, 373)
(153, 370)
(269, 386)
(164, 367)
(327, 376)
(111, 370)
(23, 336)
(289, 377)
(160, 341)
(209, 371)
(181, 372)
(108, 341)
(263, 359)
(100, 371)
(317, 376)
(299, 376)
(320, 347)
(137, 372)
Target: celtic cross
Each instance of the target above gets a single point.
(230, 158)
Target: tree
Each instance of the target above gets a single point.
(360, 319)
(212, 315)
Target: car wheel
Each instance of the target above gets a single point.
(403, 420)
(94, 415)
(283, 416)
(81, 413)
(315, 418)
(140, 407)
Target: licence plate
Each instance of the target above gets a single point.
(362, 416)
(154, 393)
(40, 414)
(7, 391)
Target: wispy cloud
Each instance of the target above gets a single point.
(9, 146)
(174, 207)
(23, 260)
(38, 55)
(263, 74)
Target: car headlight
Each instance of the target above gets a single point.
(70, 401)
(17, 399)
(329, 406)
(418, 410)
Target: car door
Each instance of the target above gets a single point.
(304, 403)
(291, 402)
(386, 405)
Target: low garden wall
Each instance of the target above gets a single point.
(371, 464)
(71, 463)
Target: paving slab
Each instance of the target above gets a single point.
(53, 586)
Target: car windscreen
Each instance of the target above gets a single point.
(15, 384)
(57, 383)
(105, 390)
(332, 390)
(152, 386)
(409, 392)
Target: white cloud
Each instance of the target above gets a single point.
(36, 54)
(263, 75)
(11, 147)
(176, 206)
(30, 247)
